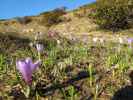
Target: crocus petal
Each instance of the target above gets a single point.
(25, 70)
(31, 64)
(39, 47)
(130, 40)
(28, 61)
(121, 40)
(35, 65)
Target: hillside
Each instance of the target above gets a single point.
(73, 22)
(76, 22)
(67, 55)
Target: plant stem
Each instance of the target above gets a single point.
(96, 92)
(113, 74)
(39, 55)
(28, 90)
(37, 96)
(90, 74)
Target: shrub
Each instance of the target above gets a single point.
(24, 20)
(2, 19)
(53, 17)
(113, 14)
(83, 11)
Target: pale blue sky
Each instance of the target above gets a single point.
(18, 8)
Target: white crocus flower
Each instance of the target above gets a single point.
(121, 40)
(58, 42)
(101, 40)
(95, 39)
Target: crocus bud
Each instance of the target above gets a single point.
(39, 47)
(58, 42)
(31, 44)
(95, 39)
(130, 40)
(101, 40)
(121, 40)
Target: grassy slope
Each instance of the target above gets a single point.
(79, 24)
(110, 68)
(110, 64)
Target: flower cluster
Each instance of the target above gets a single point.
(26, 66)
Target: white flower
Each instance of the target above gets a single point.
(95, 39)
(39, 47)
(58, 42)
(101, 40)
(31, 44)
(121, 40)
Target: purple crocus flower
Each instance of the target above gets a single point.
(39, 47)
(52, 34)
(130, 40)
(26, 67)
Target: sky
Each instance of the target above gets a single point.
(19, 8)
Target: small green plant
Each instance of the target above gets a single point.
(90, 74)
(3, 65)
(71, 92)
(96, 92)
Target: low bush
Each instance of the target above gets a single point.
(24, 20)
(52, 17)
(114, 14)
